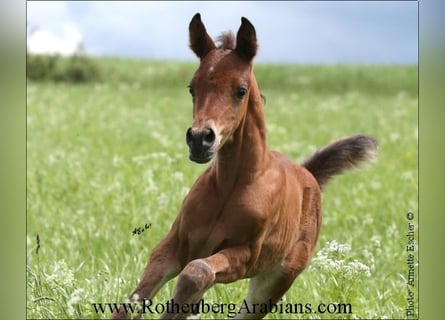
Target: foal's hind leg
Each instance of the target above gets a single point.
(268, 287)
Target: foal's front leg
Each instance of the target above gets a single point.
(226, 266)
(161, 267)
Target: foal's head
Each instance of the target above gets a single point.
(220, 87)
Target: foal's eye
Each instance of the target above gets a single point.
(241, 92)
(192, 91)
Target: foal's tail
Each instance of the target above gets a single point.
(339, 156)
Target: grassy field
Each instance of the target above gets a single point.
(104, 159)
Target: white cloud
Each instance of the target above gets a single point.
(51, 29)
(67, 42)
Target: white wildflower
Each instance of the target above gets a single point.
(394, 137)
(335, 247)
(375, 240)
(61, 274)
(369, 257)
(163, 200)
(368, 219)
(375, 185)
(355, 268)
(117, 160)
(151, 185)
(178, 176)
(392, 230)
(407, 175)
(74, 299)
(52, 159)
(333, 261)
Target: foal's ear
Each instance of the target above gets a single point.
(200, 41)
(246, 45)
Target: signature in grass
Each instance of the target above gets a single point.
(139, 230)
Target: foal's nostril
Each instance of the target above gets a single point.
(189, 136)
(209, 137)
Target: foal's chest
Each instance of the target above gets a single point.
(209, 224)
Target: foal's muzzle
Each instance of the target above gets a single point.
(201, 144)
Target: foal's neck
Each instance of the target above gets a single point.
(241, 159)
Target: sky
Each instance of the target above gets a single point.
(312, 32)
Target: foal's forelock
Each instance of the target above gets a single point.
(226, 41)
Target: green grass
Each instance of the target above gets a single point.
(105, 158)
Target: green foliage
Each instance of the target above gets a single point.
(40, 67)
(106, 158)
(370, 79)
(74, 69)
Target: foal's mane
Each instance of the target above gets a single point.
(226, 41)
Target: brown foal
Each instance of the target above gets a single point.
(253, 213)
